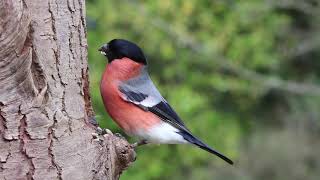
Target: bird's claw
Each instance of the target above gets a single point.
(97, 137)
(103, 132)
(119, 135)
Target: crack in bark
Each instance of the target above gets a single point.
(70, 8)
(2, 122)
(71, 48)
(71, 27)
(82, 17)
(87, 99)
(56, 57)
(24, 138)
(51, 154)
(65, 112)
(8, 155)
(51, 138)
(56, 54)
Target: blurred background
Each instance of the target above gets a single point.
(243, 75)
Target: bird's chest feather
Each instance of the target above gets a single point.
(128, 116)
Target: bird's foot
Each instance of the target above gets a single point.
(119, 135)
(140, 143)
(97, 137)
(102, 132)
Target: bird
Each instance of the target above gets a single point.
(135, 104)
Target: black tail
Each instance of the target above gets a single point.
(193, 140)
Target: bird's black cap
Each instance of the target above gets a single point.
(120, 48)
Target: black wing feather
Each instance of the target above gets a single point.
(133, 96)
(163, 110)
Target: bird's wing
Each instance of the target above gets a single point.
(142, 92)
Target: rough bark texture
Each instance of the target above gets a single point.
(44, 96)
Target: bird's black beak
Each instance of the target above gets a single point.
(103, 49)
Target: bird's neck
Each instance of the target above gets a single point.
(123, 69)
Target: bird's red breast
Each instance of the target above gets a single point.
(127, 115)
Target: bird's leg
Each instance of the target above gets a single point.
(140, 143)
(92, 120)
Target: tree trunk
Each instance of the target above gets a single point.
(44, 96)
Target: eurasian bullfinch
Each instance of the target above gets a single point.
(135, 104)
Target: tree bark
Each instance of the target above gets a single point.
(44, 96)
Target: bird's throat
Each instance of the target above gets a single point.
(123, 69)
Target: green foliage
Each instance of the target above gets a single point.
(200, 53)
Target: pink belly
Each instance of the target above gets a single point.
(128, 116)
